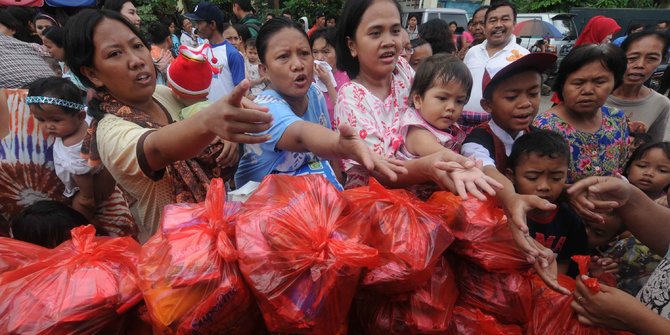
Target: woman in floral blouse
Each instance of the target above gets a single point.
(597, 134)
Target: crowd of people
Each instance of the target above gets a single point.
(143, 120)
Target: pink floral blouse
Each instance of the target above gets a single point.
(376, 121)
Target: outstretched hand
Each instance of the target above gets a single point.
(352, 147)
(516, 209)
(236, 119)
(593, 195)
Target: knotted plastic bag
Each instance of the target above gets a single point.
(483, 237)
(408, 233)
(426, 310)
(301, 251)
(83, 287)
(189, 276)
(15, 253)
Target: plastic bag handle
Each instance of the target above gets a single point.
(83, 238)
(215, 202)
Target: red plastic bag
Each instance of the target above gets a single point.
(84, 287)
(15, 253)
(301, 256)
(472, 321)
(407, 232)
(506, 296)
(448, 205)
(554, 315)
(426, 310)
(189, 278)
(483, 238)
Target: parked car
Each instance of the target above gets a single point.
(564, 22)
(460, 16)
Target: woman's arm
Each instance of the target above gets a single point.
(227, 118)
(84, 200)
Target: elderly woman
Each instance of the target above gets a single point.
(155, 159)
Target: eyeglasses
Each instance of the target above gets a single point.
(409, 51)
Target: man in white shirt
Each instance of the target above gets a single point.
(500, 47)
(225, 58)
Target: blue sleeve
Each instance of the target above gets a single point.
(283, 117)
(236, 64)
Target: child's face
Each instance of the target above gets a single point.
(406, 50)
(441, 105)
(651, 173)
(252, 55)
(600, 234)
(56, 122)
(377, 41)
(289, 64)
(541, 176)
(515, 101)
(420, 53)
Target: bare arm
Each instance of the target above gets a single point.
(226, 118)
(421, 142)
(84, 200)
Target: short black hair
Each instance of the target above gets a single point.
(643, 149)
(544, 143)
(245, 5)
(57, 87)
(646, 33)
(666, 22)
(499, 4)
(46, 223)
(481, 8)
(438, 34)
(328, 34)
(269, 29)
(9, 21)
(634, 26)
(250, 43)
(611, 57)
(439, 70)
(158, 32)
(115, 5)
(453, 22)
(417, 42)
(54, 34)
(242, 31)
(352, 12)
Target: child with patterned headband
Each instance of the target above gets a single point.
(56, 104)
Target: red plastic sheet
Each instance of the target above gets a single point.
(472, 321)
(483, 238)
(301, 256)
(408, 233)
(84, 287)
(189, 277)
(583, 264)
(15, 253)
(506, 296)
(427, 310)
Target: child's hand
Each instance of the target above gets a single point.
(229, 156)
(473, 180)
(350, 146)
(599, 266)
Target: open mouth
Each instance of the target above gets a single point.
(498, 32)
(143, 77)
(301, 79)
(387, 55)
(635, 76)
(524, 117)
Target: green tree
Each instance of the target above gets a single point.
(525, 6)
(307, 8)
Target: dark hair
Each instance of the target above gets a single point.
(245, 5)
(251, 43)
(666, 22)
(43, 16)
(439, 70)
(413, 15)
(634, 26)
(115, 5)
(269, 29)
(331, 16)
(481, 8)
(643, 149)
(328, 34)
(647, 33)
(417, 42)
(46, 223)
(9, 21)
(610, 56)
(499, 4)
(158, 32)
(453, 22)
(544, 143)
(78, 34)
(54, 34)
(57, 87)
(438, 34)
(242, 31)
(352, 12)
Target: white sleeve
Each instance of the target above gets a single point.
(478, 151)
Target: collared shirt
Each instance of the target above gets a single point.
(484, 154)
(413, 34)
(20, 63)
(476, 60)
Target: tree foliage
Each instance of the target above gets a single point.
(526, 6)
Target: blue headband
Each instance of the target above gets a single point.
(32, 100)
